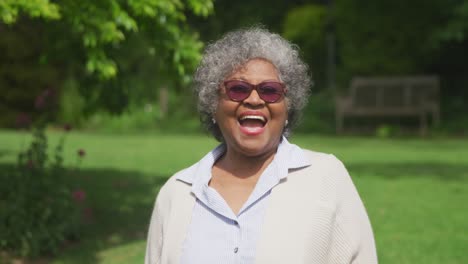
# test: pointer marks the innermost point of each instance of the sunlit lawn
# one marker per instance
(415, 190)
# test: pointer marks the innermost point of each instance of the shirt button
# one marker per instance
(236, 249)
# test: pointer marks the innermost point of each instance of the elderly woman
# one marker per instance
(256, 198)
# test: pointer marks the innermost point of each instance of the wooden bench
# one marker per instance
(391, 96)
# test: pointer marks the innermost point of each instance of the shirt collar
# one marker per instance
(288, 156)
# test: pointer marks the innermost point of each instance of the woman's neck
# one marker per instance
(242, 166)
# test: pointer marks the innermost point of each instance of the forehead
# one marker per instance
(255, 70)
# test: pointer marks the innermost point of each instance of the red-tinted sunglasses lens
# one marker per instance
(269, 92)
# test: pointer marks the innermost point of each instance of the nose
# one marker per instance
(254, 99)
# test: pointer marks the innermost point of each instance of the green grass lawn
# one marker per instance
(415, 190)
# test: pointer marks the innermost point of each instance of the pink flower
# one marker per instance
(30, 164)
(79, 195)
(40, 102)
(23, 120)
(81, 153)
(47, 97)
(67, 127)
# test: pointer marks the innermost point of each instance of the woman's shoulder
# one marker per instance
(177, 182)
(325, 168)
(316, 157)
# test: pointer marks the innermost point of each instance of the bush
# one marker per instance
(37, 207)
(146, 117)
(318, 116)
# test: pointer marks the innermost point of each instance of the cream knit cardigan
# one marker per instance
(314, 216)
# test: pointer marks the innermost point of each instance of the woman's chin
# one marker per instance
(254, 146)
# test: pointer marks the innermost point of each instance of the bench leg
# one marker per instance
(423, 124)
(436, 118)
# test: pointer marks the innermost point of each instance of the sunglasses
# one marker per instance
(269, 91)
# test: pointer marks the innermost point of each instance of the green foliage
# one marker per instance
(385, 131)
(103, 24)
(10, 9)
(146, 117)
(306, 26)
(36, 205)
(71, 104)
(384, 37)
(318, 116)
(396, 37)
(37, 210)
(24, 72)
(132, 120)
(101, 45)
(229, 15)
(309, 18)
(456, 28)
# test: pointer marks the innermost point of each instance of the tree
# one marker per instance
(455, 27)
(105, 24)
(306, 26)
(93, 43)
(230, 15)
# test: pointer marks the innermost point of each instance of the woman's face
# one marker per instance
(252, 127)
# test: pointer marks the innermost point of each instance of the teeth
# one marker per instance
(261, 118)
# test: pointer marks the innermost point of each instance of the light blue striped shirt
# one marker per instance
(215, 234)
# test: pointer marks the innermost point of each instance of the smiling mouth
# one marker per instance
(252, 125)
(252, 121)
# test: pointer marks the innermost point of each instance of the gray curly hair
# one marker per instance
(236, 48)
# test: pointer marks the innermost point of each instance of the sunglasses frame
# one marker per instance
(256, 87)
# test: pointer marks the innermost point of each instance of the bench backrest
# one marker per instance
(385, 92)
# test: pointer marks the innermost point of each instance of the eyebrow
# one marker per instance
(245, 80)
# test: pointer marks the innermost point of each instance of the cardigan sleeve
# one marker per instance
(155, 233)
(353, 226)
(154, 245)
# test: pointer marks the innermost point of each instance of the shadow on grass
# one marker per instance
(6, 153)
(439, 171)
(117, 210)
(119, 205)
